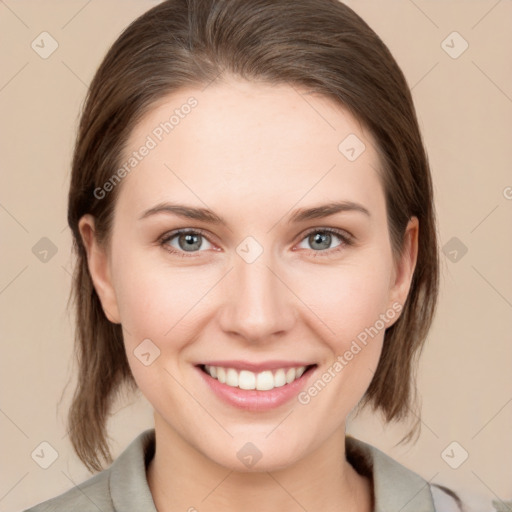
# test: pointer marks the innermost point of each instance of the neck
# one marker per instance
(182, 478)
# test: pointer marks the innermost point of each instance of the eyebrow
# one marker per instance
(299, 215)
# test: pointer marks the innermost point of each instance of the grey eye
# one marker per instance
(187, 241)
(320, 240)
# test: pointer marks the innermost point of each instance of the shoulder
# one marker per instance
(394, 486)
(445, 500)
(123, 486)
(89, 496)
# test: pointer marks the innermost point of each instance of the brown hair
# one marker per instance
(319, 44)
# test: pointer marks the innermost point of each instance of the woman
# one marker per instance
(252, 212)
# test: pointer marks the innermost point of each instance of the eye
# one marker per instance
(185, 241)
(320, 240)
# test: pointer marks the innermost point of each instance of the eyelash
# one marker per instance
(346, 240)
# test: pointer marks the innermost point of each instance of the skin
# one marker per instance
(252, 153)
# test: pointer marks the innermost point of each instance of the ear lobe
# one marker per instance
(404, 268)
(98, 264)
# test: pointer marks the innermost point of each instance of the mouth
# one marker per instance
(265, 380)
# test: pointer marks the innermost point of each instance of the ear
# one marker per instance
(406, 263)
(99, 268)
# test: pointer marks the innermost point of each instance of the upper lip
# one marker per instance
(257, 367)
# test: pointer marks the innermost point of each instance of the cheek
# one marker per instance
(157, 312)
(352, 311)
(350, 298)
(160, 303)
(156, 301)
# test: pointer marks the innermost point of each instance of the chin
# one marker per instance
(256, 453)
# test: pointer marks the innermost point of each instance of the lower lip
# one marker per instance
(252, 399)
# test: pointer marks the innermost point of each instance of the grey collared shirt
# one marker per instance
(123, 487)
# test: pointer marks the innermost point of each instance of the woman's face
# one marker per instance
(266, 280)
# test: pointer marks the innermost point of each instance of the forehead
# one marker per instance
(237, 139)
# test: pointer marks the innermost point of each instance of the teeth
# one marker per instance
(263, 381)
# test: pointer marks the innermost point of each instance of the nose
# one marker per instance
(258, 304)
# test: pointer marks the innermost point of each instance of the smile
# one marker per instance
(261, 381)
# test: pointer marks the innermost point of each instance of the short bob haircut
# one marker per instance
(320, 45)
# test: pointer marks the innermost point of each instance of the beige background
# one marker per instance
(465, 109)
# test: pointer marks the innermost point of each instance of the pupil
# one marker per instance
(191, 241)
(322, 238)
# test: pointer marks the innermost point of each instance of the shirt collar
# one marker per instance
(128, 483)
(395, 488)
